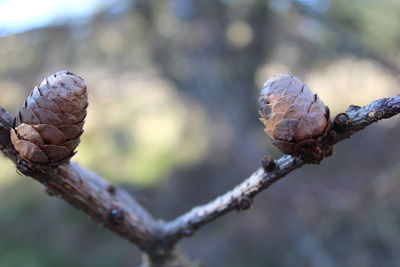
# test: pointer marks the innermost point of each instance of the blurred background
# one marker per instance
(173, 117)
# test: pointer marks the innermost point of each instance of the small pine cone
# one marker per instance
(48, 127)
(291, 113)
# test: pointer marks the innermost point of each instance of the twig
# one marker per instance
(122, 214)
(241, 197)
(111, 206)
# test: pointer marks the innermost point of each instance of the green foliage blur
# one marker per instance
(173, 117)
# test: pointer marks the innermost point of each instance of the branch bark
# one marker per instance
(106, 204)
(241, 197)
(121, 213)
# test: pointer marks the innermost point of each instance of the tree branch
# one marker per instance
(111, 206)
(121, 213)
(241, 197)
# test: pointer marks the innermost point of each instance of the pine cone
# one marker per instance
(291, 112)
(48, 127)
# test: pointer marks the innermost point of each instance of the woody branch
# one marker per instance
(111, 206)
(241, 197)
(121, 213)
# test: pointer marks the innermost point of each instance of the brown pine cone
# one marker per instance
(48, 127)
(291, 113)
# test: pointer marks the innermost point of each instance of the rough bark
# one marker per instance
(121, 213)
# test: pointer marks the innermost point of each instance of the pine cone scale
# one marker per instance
(285, 130)
(67, 118)
(50, 134)
(71, 145)
(47, 117)
(70, 131)
(27, 116)
(55, 153)
(28, 149)
(29, 133)
(80, 115)
(64, 104)
(45, 103)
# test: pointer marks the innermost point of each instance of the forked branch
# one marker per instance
(121, 213)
